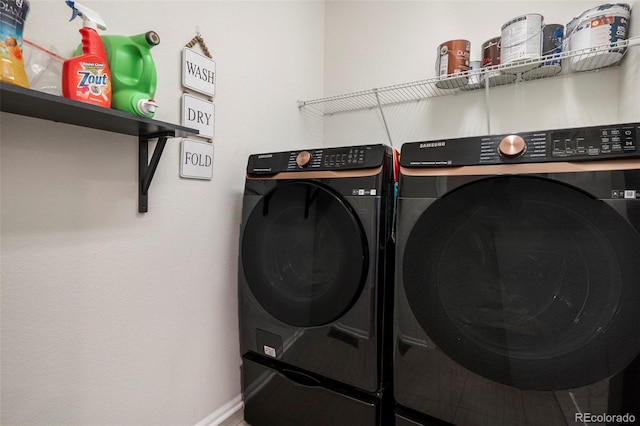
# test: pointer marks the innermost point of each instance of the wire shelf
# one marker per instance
(572, 61)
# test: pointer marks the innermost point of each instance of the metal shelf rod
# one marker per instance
(384, 121)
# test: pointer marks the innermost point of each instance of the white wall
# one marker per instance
(371, 44)
(630, 77)
(115, 317)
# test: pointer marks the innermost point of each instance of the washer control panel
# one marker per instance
(322, 159)
(595, 141)
(579, 144)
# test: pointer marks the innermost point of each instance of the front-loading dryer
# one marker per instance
(315, 285)
(517, 294)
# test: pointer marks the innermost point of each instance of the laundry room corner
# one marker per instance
(382, 240)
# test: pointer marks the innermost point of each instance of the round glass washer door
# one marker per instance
(304, 254)
(527, 281)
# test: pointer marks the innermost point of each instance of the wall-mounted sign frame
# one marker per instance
(196, 159)
(198, 72)
(198, 113)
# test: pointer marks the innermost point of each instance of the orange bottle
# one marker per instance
(12, 17)
(87, 78)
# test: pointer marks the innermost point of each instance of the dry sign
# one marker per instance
(196, 160)
(198, 114)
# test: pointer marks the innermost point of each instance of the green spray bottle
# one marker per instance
(133, 72)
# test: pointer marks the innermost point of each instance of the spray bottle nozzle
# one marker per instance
(89, 17)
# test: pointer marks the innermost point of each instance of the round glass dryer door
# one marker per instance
(527, 281)
(304, 254)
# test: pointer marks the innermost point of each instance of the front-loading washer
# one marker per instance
(517, 292)
(315, 285)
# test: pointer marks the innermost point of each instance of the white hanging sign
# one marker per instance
(198, 114)
(198, 72)
(196, 160)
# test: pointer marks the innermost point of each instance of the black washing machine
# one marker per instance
(315, 286)
(517, 292)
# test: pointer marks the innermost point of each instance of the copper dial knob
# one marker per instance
(303, 159)
(512, 146)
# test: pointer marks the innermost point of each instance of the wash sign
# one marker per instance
(196, 160)
(198, 72)
(198, 114)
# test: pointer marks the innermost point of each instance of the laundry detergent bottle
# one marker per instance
(133, 72)
(86, 77)
(12, 16)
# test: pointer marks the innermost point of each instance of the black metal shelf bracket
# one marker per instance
(146, 167)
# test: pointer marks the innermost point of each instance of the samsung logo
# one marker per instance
(432, 144)
(265, 156)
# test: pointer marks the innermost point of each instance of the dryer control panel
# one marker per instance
(321, 159)
(578, 144)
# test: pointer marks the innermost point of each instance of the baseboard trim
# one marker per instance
(223, 413)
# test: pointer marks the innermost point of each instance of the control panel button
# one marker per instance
(512, 146)
(303, 159)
